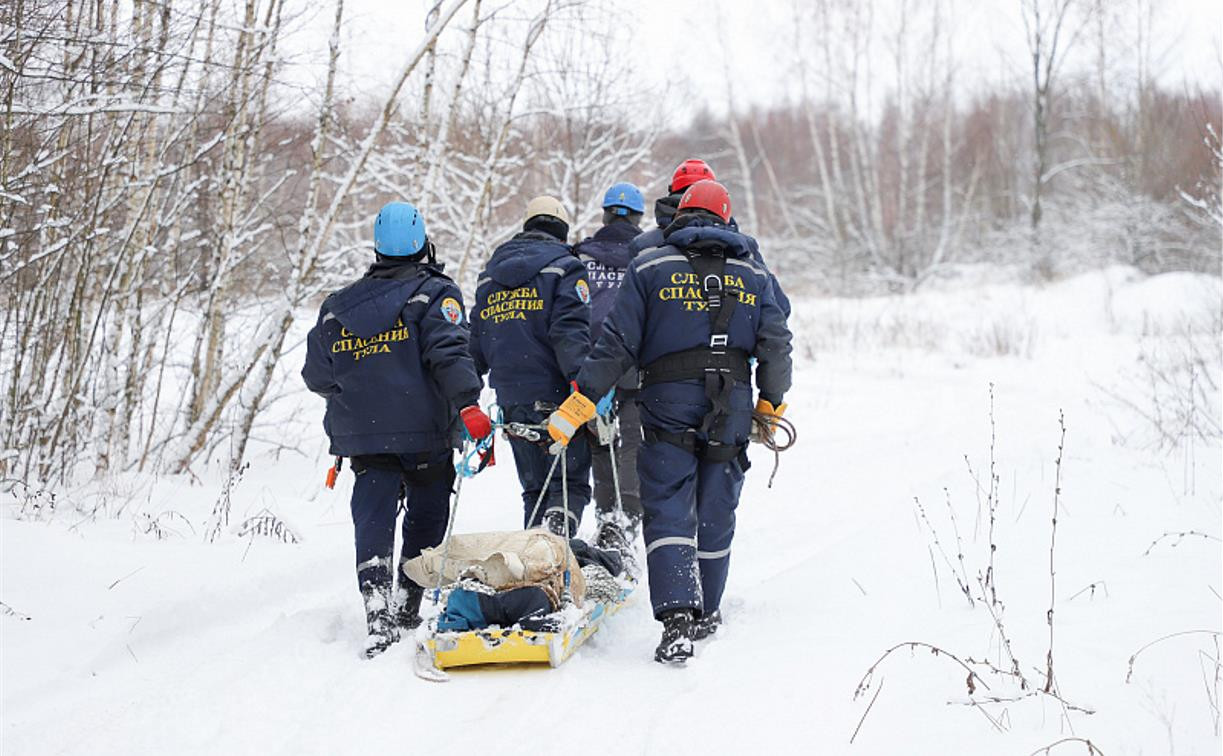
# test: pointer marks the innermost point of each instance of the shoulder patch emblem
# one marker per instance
(452, 311)
(583, 290)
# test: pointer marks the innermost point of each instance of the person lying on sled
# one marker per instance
(390, 355)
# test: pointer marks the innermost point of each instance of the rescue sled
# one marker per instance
(516, 646)
(507, 559)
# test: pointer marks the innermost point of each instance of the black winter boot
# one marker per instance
(407, 612)
(676, 644)
(379, 623)
(706, 625)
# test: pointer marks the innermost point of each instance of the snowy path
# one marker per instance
(227, 649)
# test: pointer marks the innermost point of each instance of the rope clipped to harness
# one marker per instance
(765, 431)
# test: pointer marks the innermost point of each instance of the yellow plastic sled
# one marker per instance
(497, 646)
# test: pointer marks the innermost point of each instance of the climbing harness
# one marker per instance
(718, 364)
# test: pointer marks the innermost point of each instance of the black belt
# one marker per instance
(421, 471)
(707, 451)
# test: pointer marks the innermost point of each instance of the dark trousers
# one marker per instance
(627, 445)
(533, 462)
(689, 525)
(381, 481)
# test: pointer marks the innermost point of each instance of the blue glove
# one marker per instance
(604, 405)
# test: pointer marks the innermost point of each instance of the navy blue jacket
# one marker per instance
(530, 327)
(390, 355)
(659, 311)
(606, 256)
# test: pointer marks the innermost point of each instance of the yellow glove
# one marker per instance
(764, 427)
(569, 417)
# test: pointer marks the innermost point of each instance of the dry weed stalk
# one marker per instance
(959, 542)
(160, 526)
(1091, 748)
(219, 519)
(1066, 705)
(963, 584)
(989, 597)
(1180, 536)
(1134, 656)
(1057, 493)
(1005, 641)
(1177, 397)
(1213, 682)
(865, 683)
(992, 499)
(869, 706)
(36, 503)
(265, 523)
(1091, 587)
(8, 611)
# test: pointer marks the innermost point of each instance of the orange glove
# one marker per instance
(763, 428)
(569, 417)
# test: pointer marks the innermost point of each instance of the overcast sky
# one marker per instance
(683, 43)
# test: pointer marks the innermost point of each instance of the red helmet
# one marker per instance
(689, 172)
(707, 195)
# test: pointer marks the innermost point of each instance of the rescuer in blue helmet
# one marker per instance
(390, 355)
(606, 256)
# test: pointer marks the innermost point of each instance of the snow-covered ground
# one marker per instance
(117, 640)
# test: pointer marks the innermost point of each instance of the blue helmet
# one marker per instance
(399, 230)
(624, 198)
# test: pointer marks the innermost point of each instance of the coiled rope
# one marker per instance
(765, 432)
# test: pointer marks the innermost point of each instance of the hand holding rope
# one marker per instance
(765, 429)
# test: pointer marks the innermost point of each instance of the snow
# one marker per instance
(135, 644)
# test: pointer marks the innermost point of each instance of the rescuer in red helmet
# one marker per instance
(685, 175)
(691, 314)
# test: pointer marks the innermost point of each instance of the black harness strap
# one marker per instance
(695, 363)
(689, 441)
